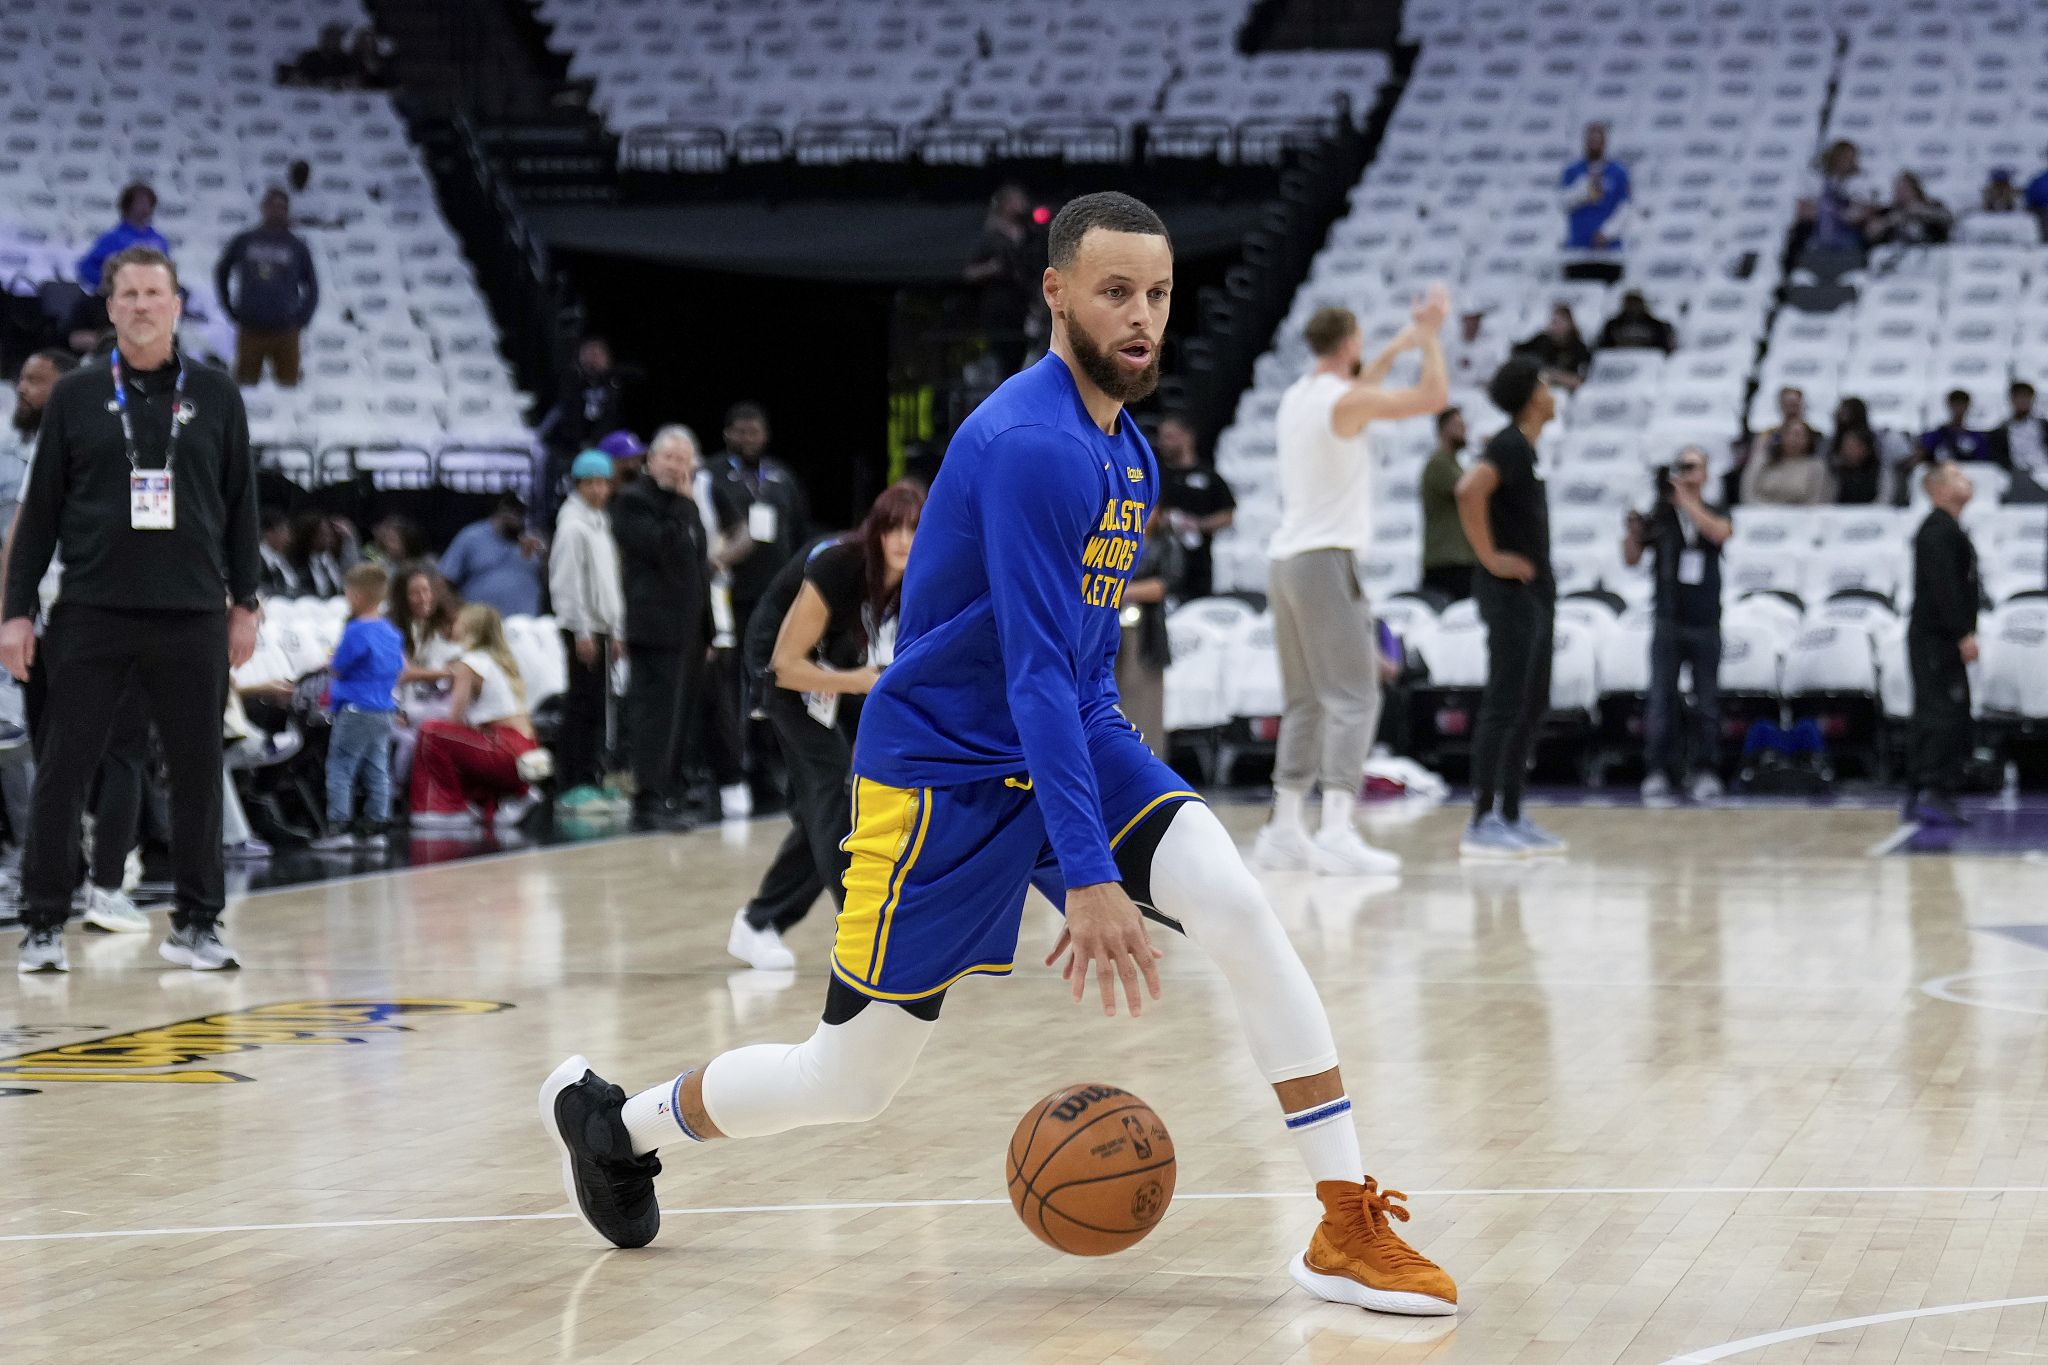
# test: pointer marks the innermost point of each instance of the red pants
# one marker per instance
(456, 767)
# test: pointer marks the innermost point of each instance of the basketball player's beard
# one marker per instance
(1125, 386)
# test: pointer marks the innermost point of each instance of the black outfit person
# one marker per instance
(818, 757)
(664, 570)
(141, 607)
(1946, 591)
(1199, 492)
(1687, 630)
(1520, 620)
(762, 498)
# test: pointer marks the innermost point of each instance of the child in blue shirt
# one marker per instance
(364, 676)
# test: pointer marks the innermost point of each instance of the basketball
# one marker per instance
(1091, 1170)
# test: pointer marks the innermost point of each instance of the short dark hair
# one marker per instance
(128, 193)
(1958, 394)
(133, 255)
(1443, 419)
(746, 411)
(1514, 384)
(276, 192)
(508, 501)
(65, 361)
(1110, 210)
(1328, 328)
(2021, 386)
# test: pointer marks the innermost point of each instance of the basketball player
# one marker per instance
(992, 758)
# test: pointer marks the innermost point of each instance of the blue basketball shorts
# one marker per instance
(935, 887)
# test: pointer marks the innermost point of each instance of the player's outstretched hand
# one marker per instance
(1431, 309)
(1105, 928)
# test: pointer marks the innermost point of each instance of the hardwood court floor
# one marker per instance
(1678, 1091)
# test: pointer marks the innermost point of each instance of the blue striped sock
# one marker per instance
(1328, 1141)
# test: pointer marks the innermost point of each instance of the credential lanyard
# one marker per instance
(128, 423)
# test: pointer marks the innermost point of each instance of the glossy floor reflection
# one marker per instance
(1714, 1076)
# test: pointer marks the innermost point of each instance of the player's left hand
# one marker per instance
(1105, 928)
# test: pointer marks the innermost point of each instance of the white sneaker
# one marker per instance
(113, 913)
(1341, 852)
(456, 821)
(511, 812)
(1706, 787)
(736, 802)
(198, 947)
(1656, 787)
(1283, 848)
(42, 950)
(758, 948)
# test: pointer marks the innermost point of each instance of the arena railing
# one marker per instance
(949, 143)
(673, 148)
(838, 144)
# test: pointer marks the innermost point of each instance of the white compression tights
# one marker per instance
(848, 1073)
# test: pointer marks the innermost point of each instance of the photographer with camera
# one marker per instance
(1685, 535)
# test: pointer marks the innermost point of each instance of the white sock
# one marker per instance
(1337, 808)
(1328, 1142)
(654, 1117)
(1287, 808)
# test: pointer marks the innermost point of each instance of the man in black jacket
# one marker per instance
(664, 566)
(1941, 639)
(144, 483)
(2021, 445)
(592, 404)
(265, 281)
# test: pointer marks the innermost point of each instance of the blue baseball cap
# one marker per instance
(591, 464)
(622, 445)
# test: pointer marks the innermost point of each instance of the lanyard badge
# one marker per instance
(152, 493)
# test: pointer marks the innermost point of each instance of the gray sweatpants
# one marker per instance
(1329, 671)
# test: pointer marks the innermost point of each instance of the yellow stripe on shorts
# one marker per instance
(889, 825)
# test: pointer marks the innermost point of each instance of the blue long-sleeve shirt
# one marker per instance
(364, 670)
(117, 238)
(1587, 220)
(485, 567)
(1006, 646)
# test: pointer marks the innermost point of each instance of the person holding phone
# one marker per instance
(1685, 535)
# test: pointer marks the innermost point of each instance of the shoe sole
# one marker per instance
(1324, 866)
(560, 1079)
(1492, 855)
(1557, 852)
(46, 969)
(182, 956)
(123, 925)
(1340, 1289)
(1280, 863)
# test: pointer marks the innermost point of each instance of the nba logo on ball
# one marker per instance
(1091, 1170)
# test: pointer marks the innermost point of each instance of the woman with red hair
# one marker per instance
(822, 635)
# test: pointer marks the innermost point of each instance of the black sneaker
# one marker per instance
(611, 1188)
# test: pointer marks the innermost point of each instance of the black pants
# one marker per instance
(660, 686)
(1452, 581)
(820, 764)
(117, 804)
(722, 744)
(1938, 741)
(1670, 646)
(180, 662)
(1519, 621)
(579, 743)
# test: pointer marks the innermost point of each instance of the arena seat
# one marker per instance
(2015, 662)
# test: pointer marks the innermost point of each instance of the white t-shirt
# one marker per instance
(1325, 480)
(495, 699)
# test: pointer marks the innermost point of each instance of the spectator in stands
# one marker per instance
(1506, 516)
(628, 457)
(1002, 265)
(320, 553)
(1892, 448)
(396, 541)
(39, 374)
(1787, 471)
(1913, 218)
(266, 285)
(662, 562)
(763, 517)
(497, 560)
(591, 404)
(1560, 350)
(1197, 503)
(825, 630)
(362, 694)
(1475, 353)
(468, 769)
(1595, 189)
(590, 610)
(1953, 439)
(331, 65)
(369, 51)
(138, 213)
(2037, 198)
(1447, 558)
(1322, 621)
(423, 609)
(1685, 535)
(1840, 202)
(1635, 327)
(1941, 641)
(314, 209)
(2000, 194)
(1791, 412)
(2020, 443)
(279, 576)
(1856, 472)
(160, 579)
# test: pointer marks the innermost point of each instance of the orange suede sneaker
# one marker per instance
(1355, 1256)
